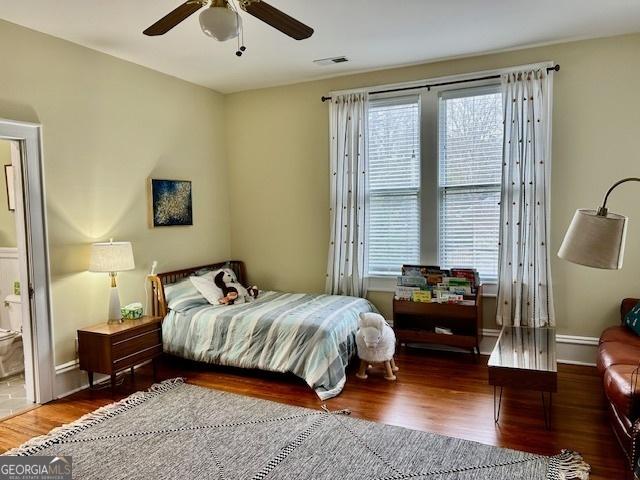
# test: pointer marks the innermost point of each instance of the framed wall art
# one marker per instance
(170, 203)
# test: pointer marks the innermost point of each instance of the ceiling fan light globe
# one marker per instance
(220, 23)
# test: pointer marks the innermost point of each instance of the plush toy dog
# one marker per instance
(253, 291)
(376, 343)
(233, 293)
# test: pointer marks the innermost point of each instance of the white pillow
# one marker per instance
(205, 284)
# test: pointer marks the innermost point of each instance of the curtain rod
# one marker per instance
(428, 86)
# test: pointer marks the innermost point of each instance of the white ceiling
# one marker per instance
(371, 33)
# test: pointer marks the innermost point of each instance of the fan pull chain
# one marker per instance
(241, 47)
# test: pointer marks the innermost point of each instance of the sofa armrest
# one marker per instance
(626, 305)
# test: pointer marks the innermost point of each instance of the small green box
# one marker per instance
(132, 311)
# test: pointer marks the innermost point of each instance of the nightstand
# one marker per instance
(110, 348)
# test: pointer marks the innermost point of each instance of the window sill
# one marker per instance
(388, 284)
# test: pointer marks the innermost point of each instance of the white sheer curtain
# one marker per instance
(348, 160)
(524, 279)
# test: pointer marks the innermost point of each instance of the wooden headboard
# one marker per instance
(159, 304)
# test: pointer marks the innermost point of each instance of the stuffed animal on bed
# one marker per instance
(233, 293)
(376, 343)
(229, 294)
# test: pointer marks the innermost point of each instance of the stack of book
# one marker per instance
(432, 284)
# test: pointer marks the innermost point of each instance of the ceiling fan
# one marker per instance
(221, 20)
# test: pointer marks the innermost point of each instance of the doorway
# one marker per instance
(13, 391)
(26, 356)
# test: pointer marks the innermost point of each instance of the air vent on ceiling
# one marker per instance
(330, 61)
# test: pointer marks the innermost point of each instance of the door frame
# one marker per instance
(33, 246)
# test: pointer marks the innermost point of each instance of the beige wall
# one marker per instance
(7, 218)
(279, 183)
(107, 126)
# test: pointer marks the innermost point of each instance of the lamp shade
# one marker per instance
(111, 257)
(595, 240)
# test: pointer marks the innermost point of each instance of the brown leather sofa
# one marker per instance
(619, 365)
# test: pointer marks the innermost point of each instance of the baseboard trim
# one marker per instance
(572, 349)
(67, 367)
(70, 379)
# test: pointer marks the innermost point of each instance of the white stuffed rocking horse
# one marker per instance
(376, 343)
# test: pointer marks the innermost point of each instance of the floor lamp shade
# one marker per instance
(595, 240)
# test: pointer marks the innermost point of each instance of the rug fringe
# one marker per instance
(568, 465)
(33, 446)
(344, 411)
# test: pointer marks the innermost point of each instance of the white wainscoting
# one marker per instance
(9, 273)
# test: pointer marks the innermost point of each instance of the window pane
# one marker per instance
(469, 224)
(470, 169)
(471, 140)
(394, 183)
(394, 145)
(394, 232)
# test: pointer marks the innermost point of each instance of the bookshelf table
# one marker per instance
(415, 322)
(525, 357)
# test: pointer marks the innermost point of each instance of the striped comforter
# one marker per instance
(311, 336)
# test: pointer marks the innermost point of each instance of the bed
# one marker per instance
(309, 335)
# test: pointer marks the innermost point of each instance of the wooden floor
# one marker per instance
(438, 392)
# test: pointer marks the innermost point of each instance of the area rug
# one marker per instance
(177, 430)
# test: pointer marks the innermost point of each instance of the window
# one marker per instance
(394, 184)
(435, 202)
(470, 168)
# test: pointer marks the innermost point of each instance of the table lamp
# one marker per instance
(596, 238)
(112, 257)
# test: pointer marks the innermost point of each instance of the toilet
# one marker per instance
(11, 351)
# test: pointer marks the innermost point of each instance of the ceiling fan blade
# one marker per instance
(173, 18)
(277, 19)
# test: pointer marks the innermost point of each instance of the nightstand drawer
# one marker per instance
(123, 347)
(134, 330)
(137, 357)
